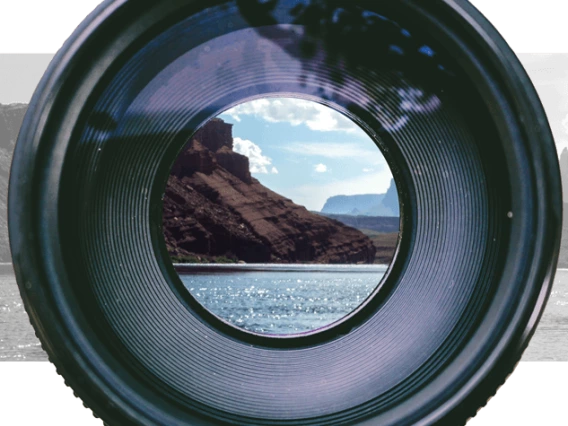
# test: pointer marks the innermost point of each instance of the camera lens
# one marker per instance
(118, 134)
(285, 234)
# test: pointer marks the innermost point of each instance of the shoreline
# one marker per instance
(276, 267)
(8, 269)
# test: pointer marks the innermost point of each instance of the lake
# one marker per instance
(278, 301)
(282, 299)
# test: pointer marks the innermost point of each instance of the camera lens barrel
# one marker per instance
(439, 92)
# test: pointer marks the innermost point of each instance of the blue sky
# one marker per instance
(306, 151)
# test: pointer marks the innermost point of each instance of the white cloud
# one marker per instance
(367, 154)
(315, 116)
(320, 168)
(258, 163)
(368, 170)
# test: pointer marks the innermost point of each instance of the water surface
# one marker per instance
(282, 299)
(19, 343)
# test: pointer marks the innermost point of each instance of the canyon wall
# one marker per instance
(213, 207)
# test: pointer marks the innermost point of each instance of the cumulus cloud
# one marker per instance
(320, 168)
(295, 112)
(258, 162)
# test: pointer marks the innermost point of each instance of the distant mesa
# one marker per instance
(352, 204)
(390, 201)
(564, 173)
(365, 205)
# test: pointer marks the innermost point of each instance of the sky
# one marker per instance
(306, 151)
(293, 138)
(549, 74)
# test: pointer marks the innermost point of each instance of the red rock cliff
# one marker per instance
(214, 207)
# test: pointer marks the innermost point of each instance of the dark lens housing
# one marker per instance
(436, 88)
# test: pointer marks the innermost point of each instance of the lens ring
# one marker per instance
(81, 166)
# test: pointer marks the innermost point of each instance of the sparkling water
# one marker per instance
(19, 343)
(283, 299)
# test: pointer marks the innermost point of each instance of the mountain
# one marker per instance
(214, 210)
(11, 117)
(352, 204)
(365, 204)
(564, 173)
(390, 201)
(209, 225)
(382, 224)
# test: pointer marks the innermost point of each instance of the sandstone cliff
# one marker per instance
(213, 207)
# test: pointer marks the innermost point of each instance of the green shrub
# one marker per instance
(186, 259)
(224, 259)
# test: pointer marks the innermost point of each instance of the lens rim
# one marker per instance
(39, 270)
(335, 329)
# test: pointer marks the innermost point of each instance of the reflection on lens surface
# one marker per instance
(281, 216)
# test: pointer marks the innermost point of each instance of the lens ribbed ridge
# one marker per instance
(435, 87)
(447, 268)
(448, 156)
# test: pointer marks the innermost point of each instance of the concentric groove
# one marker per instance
(451, 229)
(435, 129)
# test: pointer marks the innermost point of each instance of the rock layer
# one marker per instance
(214, 207)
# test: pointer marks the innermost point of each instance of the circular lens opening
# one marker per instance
(281, 216)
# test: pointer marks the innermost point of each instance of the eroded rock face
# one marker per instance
(214, 207)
